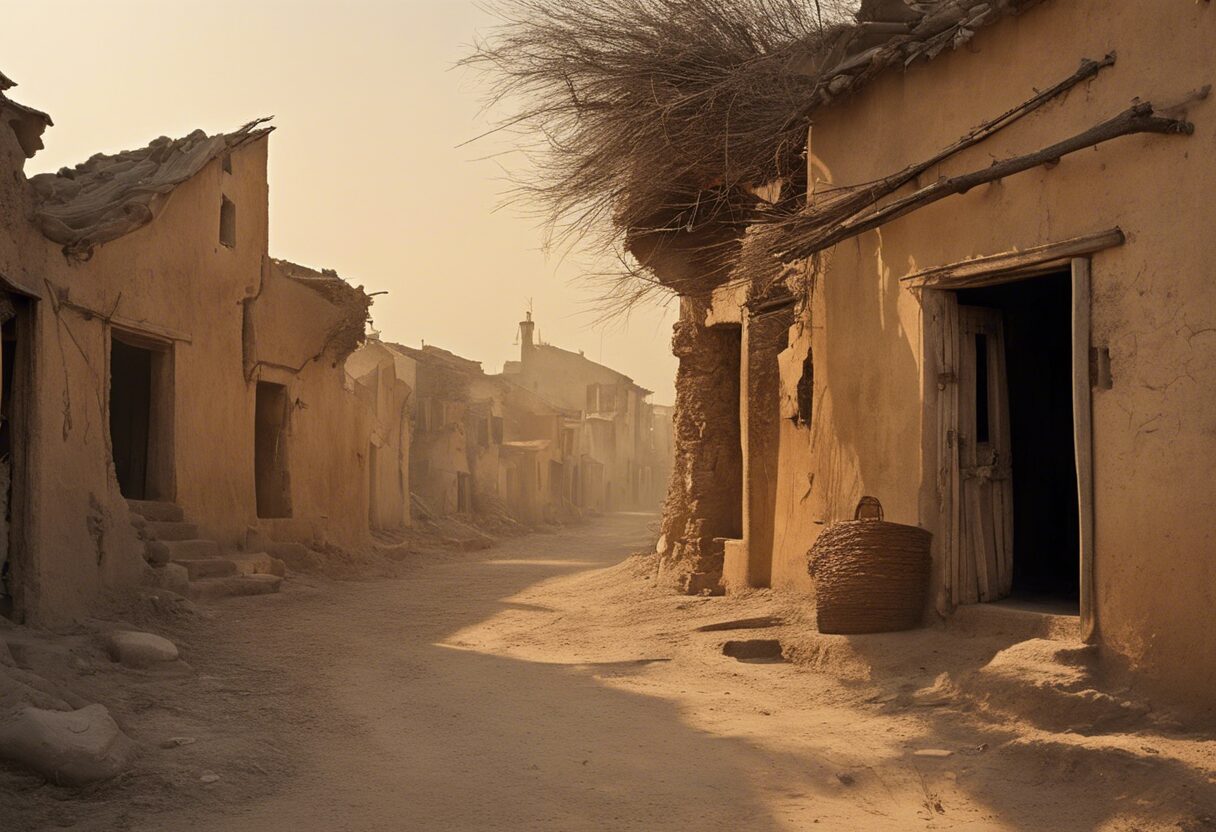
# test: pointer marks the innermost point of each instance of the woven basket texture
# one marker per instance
(871, 576)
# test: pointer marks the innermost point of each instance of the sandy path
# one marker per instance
(547, 684)
(404, 732)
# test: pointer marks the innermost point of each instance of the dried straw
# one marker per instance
(653, 115)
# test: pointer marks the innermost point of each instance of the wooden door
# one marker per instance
(985, 471)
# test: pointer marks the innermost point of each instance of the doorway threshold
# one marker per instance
(1022, 618)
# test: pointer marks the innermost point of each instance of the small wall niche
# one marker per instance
(806, 391)
(227, 222)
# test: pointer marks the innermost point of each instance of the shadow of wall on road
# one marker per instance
(409, 734)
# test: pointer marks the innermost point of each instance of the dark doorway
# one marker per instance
(141, 416)
(1037, 319)
(270, 472)
(718, 391)
(15, 372)
(130, 416)
(464, 493)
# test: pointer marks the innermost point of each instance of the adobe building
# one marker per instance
(384, 380)
(447, 430)
(169, 391)
(1018, 356)
(541, 480)
(618, 464)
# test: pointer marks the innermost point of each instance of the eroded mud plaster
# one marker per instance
(705, 500)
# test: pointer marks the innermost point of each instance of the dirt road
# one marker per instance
(547, 684)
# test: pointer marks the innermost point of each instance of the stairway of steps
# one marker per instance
(209, 572)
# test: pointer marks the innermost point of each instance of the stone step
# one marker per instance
(164, 551)
(171, 530)
(238, 585)
(258, 563)
(201, 568)
(295, 555)
(156, 510)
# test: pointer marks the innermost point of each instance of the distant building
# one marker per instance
(385, 380)
(612, 434)
(451, 422)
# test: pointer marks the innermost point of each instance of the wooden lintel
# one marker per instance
(775, 305)
(147, 329)
(1011, 265)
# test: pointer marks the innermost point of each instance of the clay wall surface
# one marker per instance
(171, 282)
(330, 429)
(764, 337)
(383, 381)
(1152, 305)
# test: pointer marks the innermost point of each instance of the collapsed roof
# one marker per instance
(111, 195)
(347, 333)
(26, 123)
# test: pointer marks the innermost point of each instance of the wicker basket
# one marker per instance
(870, 576)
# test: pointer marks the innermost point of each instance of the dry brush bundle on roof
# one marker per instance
(655, 116)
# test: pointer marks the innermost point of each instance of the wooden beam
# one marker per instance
(837, 205)
(1082, 416)
(820, 235)
(147, 328)
(1008, 266)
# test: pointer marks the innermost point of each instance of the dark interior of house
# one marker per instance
(270, 453)
(130, 416)
(1038, 345)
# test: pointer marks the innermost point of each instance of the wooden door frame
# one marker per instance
(940, 422)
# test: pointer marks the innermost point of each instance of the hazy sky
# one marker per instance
(365, 175)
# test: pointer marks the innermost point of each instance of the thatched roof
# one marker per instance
(111, 195)
(659, 118)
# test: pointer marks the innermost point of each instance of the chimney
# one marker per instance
(526, 327)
